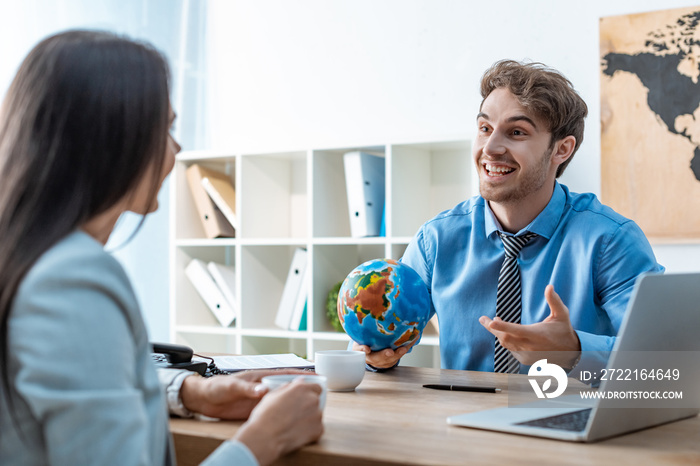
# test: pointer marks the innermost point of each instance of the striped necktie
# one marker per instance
(508, 303)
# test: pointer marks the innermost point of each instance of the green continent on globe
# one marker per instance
(371, 292)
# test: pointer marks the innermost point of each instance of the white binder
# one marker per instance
(210, 293)
(298, 320)
(293, 287)
(225, 278)
(364, 182)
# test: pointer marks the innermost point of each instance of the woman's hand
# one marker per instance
(285, 420)
(227, 396)
(223, 396)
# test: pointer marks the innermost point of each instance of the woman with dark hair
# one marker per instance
(84, 137)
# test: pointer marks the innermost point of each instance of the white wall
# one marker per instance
(298, 74)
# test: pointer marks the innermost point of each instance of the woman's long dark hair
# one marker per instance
(83, 121)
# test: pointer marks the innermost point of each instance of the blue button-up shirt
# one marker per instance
(591, 255)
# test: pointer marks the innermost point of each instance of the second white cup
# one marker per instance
(273, 382)
(343, 369)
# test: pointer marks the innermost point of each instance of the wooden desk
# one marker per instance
(391, 419)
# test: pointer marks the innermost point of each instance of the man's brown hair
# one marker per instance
(545, 92)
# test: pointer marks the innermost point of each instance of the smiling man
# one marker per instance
(526, 266)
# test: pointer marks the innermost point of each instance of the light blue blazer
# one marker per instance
(84, 389)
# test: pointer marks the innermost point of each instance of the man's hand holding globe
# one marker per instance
(383, 359)
(383, 306)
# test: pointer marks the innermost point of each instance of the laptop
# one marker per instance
(663, 316)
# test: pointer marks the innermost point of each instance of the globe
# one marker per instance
(383, 303)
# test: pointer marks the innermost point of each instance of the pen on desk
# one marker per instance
(463, 388)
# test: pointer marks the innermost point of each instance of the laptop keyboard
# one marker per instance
(575, 421)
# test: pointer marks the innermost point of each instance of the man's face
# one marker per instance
(512, 152)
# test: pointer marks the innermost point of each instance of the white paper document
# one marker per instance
(262, 361)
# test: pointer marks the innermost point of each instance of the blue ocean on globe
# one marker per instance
(384, 303)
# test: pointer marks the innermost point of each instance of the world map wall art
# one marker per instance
(650, 121)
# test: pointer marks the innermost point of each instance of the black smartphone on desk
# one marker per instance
(170, 356)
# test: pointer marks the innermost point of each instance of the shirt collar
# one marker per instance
(544, 224)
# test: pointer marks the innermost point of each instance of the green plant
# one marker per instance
(332, 307)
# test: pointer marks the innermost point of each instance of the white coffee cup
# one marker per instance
(273, 382)
(344, 369)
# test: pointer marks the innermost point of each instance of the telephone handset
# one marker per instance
(170, 356)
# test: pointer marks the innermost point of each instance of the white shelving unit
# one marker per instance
(298, 199)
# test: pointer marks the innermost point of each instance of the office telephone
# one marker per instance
(172, 356)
